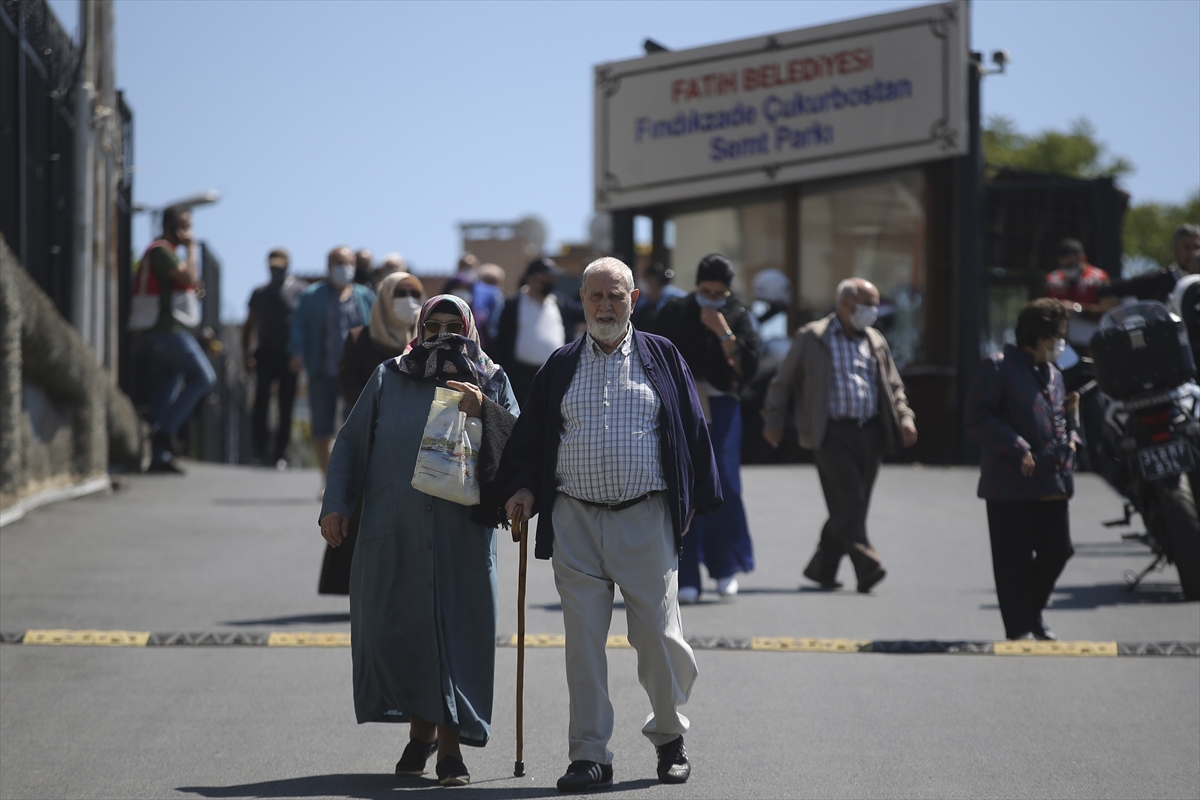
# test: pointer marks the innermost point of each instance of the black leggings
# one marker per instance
(1031, 543)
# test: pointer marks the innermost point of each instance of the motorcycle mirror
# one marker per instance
(1068, 359)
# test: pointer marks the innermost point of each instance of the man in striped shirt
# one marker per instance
(613, 450)
(851, 410)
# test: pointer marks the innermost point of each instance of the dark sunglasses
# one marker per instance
(407, 293)
(433, 326)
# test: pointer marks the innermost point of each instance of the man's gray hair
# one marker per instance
(1186, 229)
(610, 266)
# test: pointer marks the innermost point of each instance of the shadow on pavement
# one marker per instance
(297, 619)
(1111, 550)
(1114, 594)
(1083, 598)
(372, 786)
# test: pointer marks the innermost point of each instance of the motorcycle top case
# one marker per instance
(1141, 348)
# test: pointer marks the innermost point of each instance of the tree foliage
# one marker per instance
(1150, 228)
(1077, 152)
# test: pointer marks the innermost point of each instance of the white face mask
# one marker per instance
(864, 316)
(1053, 354)
(341, 275)
(405, 309)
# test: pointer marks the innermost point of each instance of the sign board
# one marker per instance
(867, 94)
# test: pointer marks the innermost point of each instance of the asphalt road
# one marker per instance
(237, 549)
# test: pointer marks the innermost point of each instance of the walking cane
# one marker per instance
(520, 530)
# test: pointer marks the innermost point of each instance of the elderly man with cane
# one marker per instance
(614, 449)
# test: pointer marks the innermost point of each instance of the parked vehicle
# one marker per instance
(1148, 446)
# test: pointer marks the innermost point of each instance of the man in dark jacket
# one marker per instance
(613, 448)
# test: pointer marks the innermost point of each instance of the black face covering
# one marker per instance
(278, 274)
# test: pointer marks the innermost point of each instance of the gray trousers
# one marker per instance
(635, 549)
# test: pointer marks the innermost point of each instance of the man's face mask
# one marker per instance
(341, 274)
(1055, 351)
(278, 274)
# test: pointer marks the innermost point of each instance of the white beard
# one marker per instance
(610, 333)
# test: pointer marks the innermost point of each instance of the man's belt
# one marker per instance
(858, 423)
(618, 506)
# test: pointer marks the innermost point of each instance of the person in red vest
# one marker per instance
(1075, 284)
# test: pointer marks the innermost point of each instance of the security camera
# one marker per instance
(1001, 58)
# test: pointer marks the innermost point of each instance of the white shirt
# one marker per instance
(610, 430)
(539, 329)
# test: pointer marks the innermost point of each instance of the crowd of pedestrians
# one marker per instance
(617, 417)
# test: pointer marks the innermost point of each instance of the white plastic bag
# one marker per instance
(449, 454)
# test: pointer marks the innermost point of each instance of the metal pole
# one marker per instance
(22, 144)
(81, 296)
(972, 282)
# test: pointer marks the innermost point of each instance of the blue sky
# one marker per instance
(383, 124)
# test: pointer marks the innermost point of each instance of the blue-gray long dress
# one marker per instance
(423, 579)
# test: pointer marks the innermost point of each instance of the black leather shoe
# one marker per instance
(416, 754)
(871, 580)
(584, 776)
(826, 585)
(451, 771)
(673, 765)
(1024, 637)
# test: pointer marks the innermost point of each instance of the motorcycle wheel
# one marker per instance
(1181, 529)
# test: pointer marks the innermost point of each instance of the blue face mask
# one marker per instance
(706, 302)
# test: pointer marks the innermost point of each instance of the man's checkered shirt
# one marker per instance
(852, 392)
(610, 448)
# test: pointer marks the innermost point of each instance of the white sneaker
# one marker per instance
(688, 595)
(727, 587)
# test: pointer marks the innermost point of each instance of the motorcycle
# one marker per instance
(1148, 443)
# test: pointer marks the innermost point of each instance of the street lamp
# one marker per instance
(183, 204)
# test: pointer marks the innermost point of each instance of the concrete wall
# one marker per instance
(62, 419)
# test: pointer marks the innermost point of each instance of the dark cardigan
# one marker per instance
(531, 457)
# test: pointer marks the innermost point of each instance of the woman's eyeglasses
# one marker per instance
(435, 327)
(407, 293)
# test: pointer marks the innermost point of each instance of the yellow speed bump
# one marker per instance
(788, 644)
(277, 639)
(1026, 647)
(88, 638)
(540, 640)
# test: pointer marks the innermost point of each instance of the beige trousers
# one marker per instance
(634, 549)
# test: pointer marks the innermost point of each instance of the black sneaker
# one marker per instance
(412, 760)
(451, 771)
(1041, 632)
(673, 766)
(584, 776)
(167, 466)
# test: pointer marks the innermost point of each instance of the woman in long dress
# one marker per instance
(393, 326)
(423, 579)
